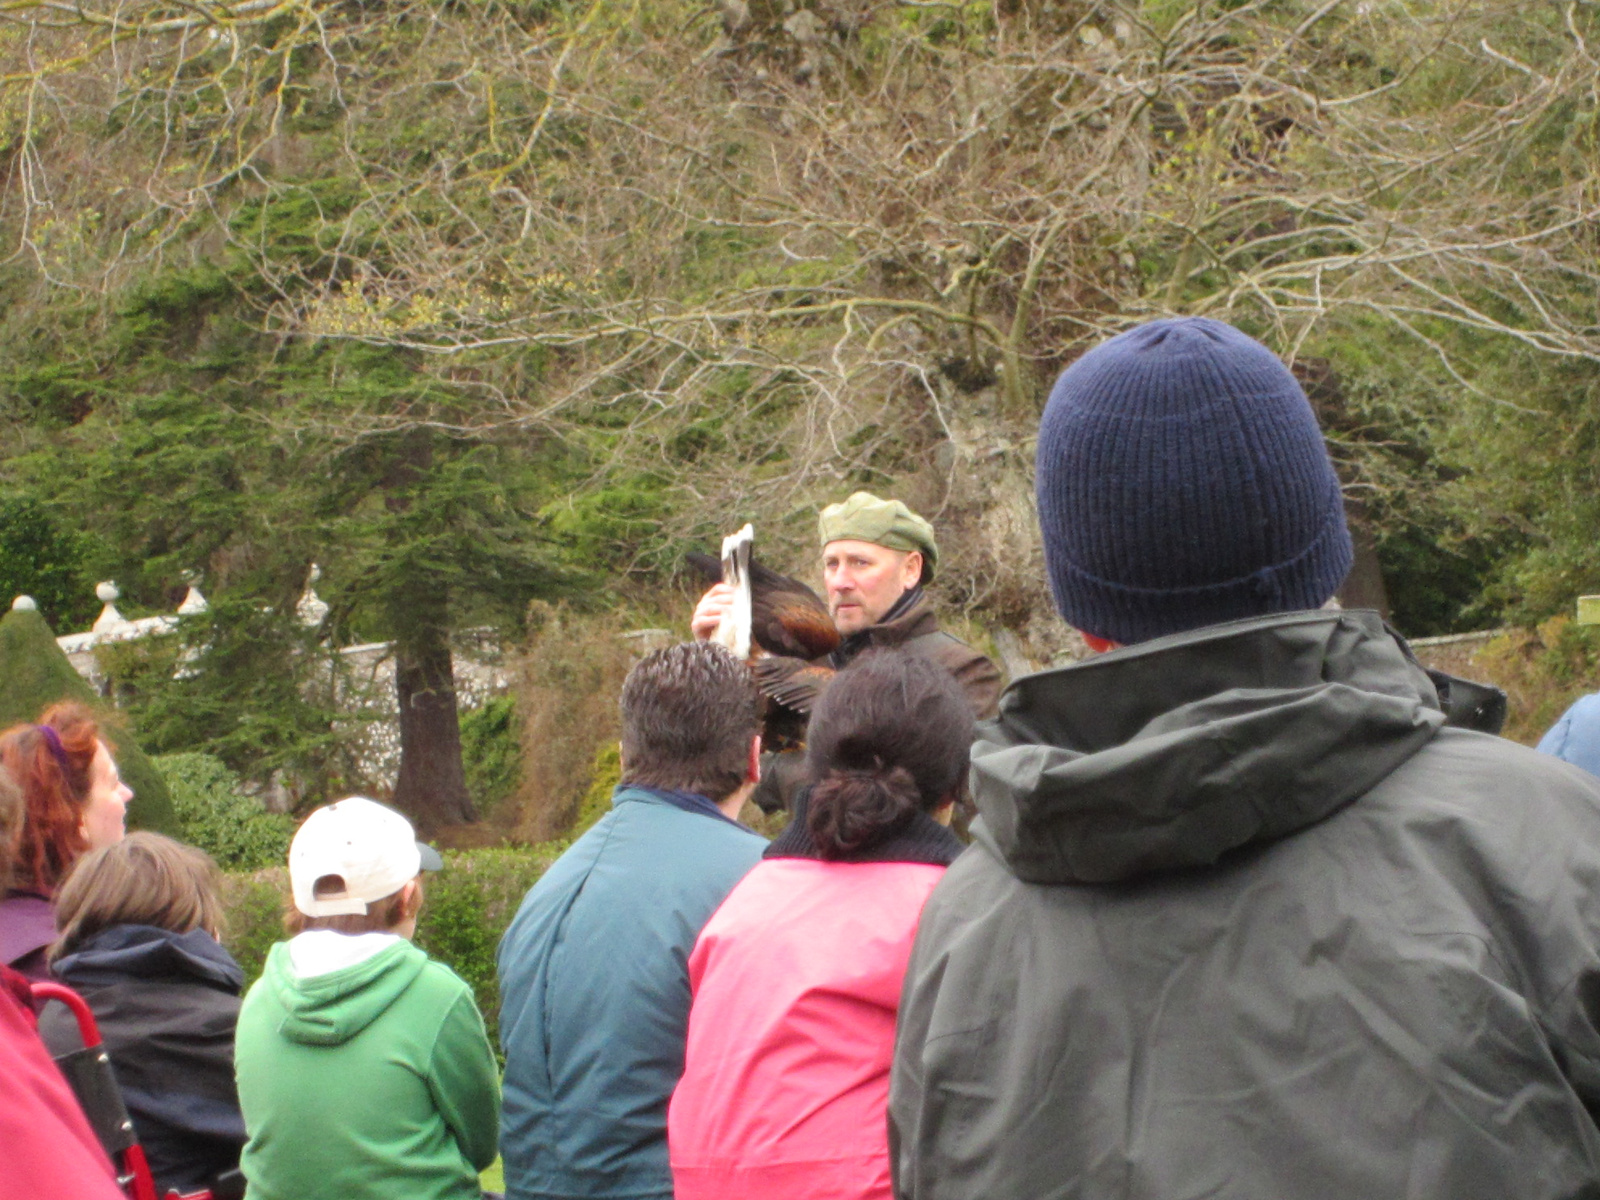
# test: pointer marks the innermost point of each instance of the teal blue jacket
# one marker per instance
(594, 996)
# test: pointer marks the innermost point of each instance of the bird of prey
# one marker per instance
(785, 616)
(786, 626)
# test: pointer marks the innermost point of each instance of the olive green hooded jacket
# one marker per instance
(1243, 919)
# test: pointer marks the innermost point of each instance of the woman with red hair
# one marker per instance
(74, 802)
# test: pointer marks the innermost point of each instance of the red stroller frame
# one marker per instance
(88, 1071)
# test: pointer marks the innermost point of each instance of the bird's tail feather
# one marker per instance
(734, 631)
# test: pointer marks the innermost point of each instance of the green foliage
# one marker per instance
(1435, 579)
(596, 802)
(465, 298)
(41, 559)
(35, 673)
(215, 815)
(1542, 671)
(467, 908)
(253, 905)
(242, 682)
(491, 752)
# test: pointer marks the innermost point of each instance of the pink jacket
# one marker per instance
(796, 982)
(47, 1150)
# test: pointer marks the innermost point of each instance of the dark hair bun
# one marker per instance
(850, 809)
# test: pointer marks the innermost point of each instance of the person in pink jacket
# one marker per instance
(796, 978)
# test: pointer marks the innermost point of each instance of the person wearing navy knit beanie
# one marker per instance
(1182, 481)
(1246, 913)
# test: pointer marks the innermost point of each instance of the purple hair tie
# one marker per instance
(53, 740)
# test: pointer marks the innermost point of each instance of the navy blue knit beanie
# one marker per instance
(1182, 481)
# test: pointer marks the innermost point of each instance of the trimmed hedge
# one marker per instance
(35, 673)
(467, 907)
(214, 814)
(491, 751)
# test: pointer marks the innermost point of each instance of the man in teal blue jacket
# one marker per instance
(594, 980)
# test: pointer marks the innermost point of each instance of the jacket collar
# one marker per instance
(1172, 753)
(911, 616)
(919, 840)
(146, 952)
(692, 802)
(27, 924)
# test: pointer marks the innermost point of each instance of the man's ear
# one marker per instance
(752, 770)
(911, 569)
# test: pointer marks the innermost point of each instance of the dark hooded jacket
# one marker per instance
(166, 1004)
(1244, 919)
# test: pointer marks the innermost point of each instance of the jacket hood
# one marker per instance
(1171, 753)
(147, 952)
(330, 1009)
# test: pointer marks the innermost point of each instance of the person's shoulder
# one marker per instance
(1461, 766)
(1583, 713)
(438, 982)
(1470, 748)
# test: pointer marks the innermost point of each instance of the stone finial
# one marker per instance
(109, 617)
(24, 604)
(312, 610)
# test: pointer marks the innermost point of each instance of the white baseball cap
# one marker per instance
(368, 845)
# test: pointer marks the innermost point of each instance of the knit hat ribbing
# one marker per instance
(1182, 481)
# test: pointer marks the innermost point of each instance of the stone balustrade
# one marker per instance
(363, 675)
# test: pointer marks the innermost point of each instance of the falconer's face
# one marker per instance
(864, 580)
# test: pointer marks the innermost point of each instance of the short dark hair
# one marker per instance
(891, 736)
(688, 714)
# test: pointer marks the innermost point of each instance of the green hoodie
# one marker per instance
(376, 1080)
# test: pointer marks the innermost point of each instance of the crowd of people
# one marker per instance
(1245, 911)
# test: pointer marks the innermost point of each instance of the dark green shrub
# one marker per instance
(468, 906)
(491, 752)
(253, 904)
(35, 673)
(596, 802)
(214, 814)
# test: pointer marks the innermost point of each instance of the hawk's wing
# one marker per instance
(791, 682)
(788, 617)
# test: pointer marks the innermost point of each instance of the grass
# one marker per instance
(493, 1178)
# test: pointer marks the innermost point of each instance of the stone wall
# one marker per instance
(364, 687)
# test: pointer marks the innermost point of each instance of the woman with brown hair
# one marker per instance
(75, 801)
(138, 923)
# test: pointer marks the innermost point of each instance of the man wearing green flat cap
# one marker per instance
(876, 556)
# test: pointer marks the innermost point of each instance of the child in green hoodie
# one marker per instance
(364, 1069)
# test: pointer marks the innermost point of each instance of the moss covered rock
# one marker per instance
(35, 673)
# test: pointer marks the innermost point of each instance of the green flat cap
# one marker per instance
(888, 523)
